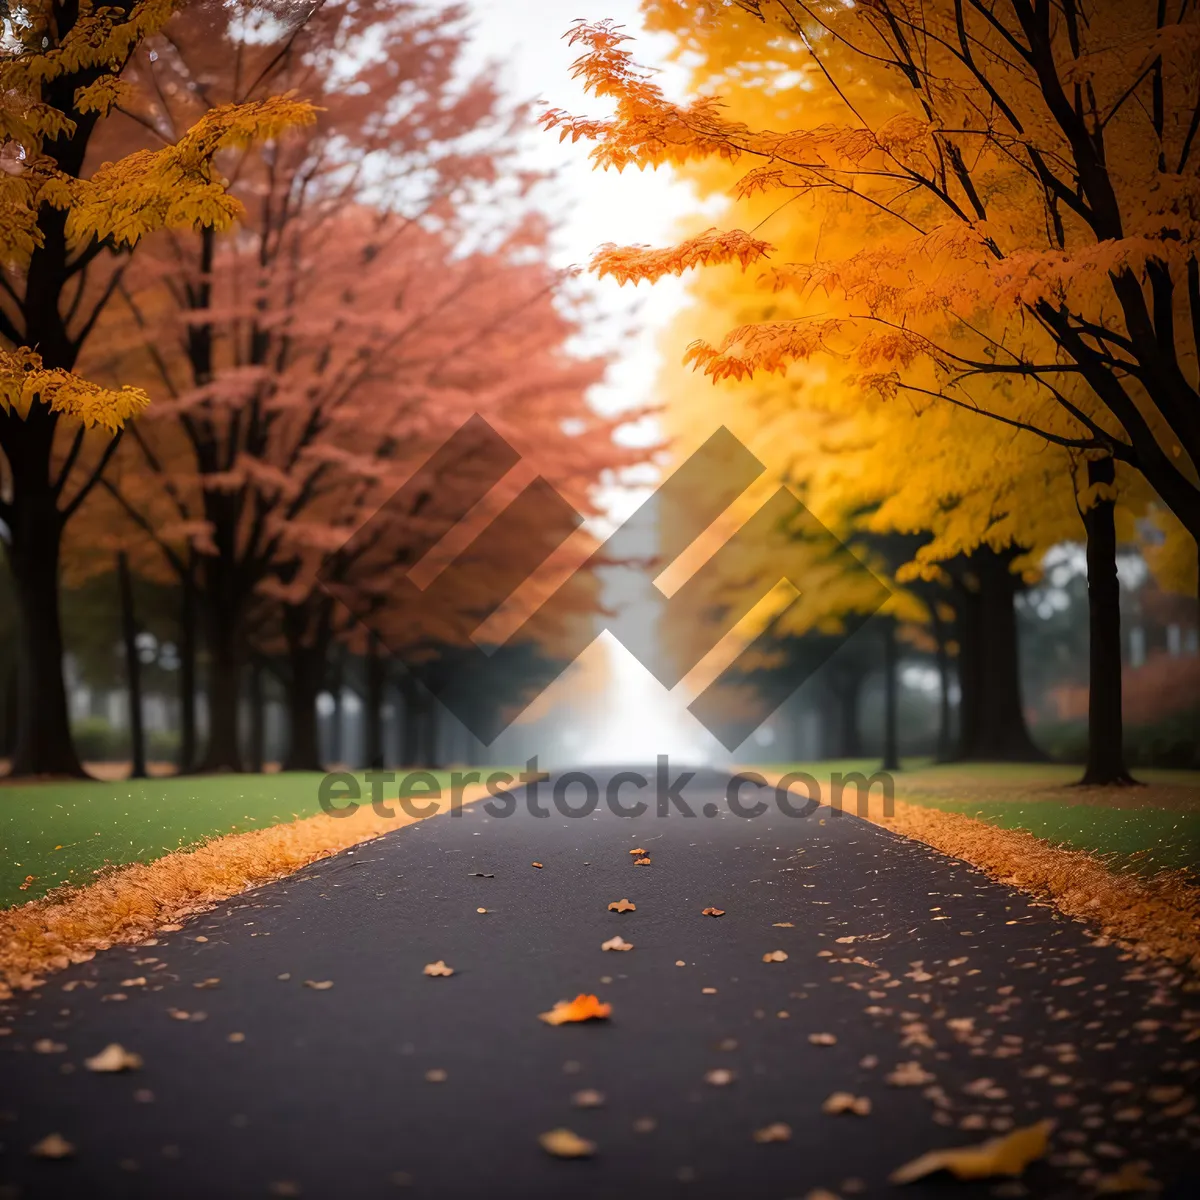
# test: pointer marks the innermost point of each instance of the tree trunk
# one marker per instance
(373, 706)
(223, 695)
(846, 686)
(891, 752)
(410, 728)
(256, 704)
(187, 674)
(307, 649)
(1106, 751)
(44, 744)
(10, 713)
(941, 634)
(336, 683)
(992, 721)
(431, 758)
(133, 670)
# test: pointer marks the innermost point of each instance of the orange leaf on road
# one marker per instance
(622, 906)
(563, 1143)
(1008, 1155)
(583, 1008)
(112, 1059)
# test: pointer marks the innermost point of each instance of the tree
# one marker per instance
(59, 81)
(1032, 161)
(901, 314)
(362, 310)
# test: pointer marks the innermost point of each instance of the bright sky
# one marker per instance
(525, 38)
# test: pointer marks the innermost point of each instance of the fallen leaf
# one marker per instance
(721, 1077)
(639, 852)
(562, 1143)
(48, 1046)
(779, 1132)
(169, 928)
(641, 862)
(712, 912)
(909, 1074)
(845, 941)
(1008, 1155)
(844, 1102)
(588, 1098)
(483, 910)
(616, 943)
(583, 1008)
(783, 925)
(435, 1075)
(113, 1058)
(1131, 1177)
(207, 983)
(622, 906)
(140, 981)
(199, 939)
(708, 991)
(53, 1145)
(179, 1014)
(775, 956)
(236, 1037)
(322, 986)
(1165, 1094)
(822, 1039)
(437, 968)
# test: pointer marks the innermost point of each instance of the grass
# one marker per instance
(1146, 839)
(69, 832)
(1144, 829)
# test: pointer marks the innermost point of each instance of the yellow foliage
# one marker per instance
(23, 380)
(174, 187)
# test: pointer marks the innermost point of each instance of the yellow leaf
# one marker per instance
(779, 1132)
(113, 1058)
(616, 943)
(562, 1143)
(54, 1145)
(438, 968)
(1008, 1155)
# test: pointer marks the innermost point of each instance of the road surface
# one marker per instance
(391, 1083)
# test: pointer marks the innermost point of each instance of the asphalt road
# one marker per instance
(327, 1092)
